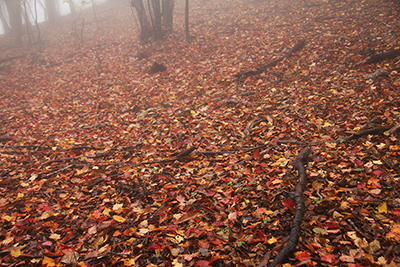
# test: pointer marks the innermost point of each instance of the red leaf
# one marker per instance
(302, 256)
(202, 263)
(154, 246)
(216, 242)
(358, 162)
(256, 154)
(287, 203)
(378, 172)
(204, 244)
(258, 171)
(328, 258)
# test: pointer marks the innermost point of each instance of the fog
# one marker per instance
(63, 9)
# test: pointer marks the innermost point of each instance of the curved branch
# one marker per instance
(298, 199)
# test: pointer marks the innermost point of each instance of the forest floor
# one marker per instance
(81, 123)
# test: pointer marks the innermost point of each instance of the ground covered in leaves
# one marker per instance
(80, 119)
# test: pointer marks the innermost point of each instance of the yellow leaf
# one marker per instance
(272, 240)
(129, 262)
(7, 218)
(106, 211)
(15, 252)
(119, 218)
(382, 208)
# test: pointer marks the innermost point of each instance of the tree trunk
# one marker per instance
(15, 11)
(72, 7)
(95, 14)
(3, 20)
(144, 24)
(27, 23)
(187, 21)
(51, 10)
(157, 19)
(168, 14)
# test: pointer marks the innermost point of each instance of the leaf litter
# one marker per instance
(79, 121)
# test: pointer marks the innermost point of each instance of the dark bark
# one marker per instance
(6, 138)
(298, 199)
(143, 21)
(178, 157)
(364, 132)
(243, 75)
(156, 20)
(381, 57)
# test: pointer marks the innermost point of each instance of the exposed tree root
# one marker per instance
(381, 57)
(364, 132)
(177, 157)
(295, 48)
(298, 199)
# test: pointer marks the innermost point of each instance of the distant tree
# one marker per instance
(154, 18)
(51, 10)
(72, 7)
(14, 10)
(187, 32)
(168, 14)
(3, 20)
(28, 25)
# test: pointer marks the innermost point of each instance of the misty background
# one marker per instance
(63, 9)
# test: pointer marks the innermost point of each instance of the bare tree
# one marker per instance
(154, 18)
(3, 20)
(51, 10)
(72, 7)
(168, 14)
(14, 10)
(187, 32)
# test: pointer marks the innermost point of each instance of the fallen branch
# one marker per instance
(177, 157)
(6, 138)
(395, 129)
(298, 199)
(295, 48)
(383, 56)
(387, 103)
(12, 58)
(253, 123)
(362, 133)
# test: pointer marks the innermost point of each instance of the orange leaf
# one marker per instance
(302, 255)
(119, 218)
(48, 262)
